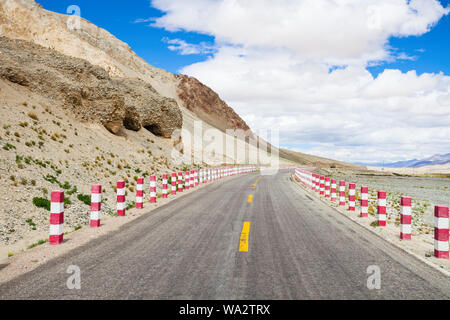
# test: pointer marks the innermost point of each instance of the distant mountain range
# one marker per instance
(415, 163)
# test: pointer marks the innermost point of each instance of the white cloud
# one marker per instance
(185, 48)
(140, 20)
(405, 56)
(274, 66)
(332, 31)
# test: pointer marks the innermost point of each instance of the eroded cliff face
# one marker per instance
(88, 91)
(207, 105)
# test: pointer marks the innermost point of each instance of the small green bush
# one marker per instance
(41, 203)
(131, 205)
(8, 147)
(71, 192)
(37, 244)
(50, 178)
(66, 185)
(31, 223)
(86, 199)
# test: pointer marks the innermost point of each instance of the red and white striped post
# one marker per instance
(322, 185)
(121, 198)
(173, 182)
(140, 193)
(316, 189)
(191, 178)
(164, 185)
(381, 208)
(96, 205)
(56, 233)
(342, 193)
(152, 189)
(441, 221)
(364, 202)
(351, 196)
(327, 187)
(333, 190)
(180, 181)
(186, 180)
(405, 218)
(196, 177)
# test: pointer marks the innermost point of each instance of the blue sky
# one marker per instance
(435, 57)
(367, 82)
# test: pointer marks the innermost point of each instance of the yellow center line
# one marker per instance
(250, 198)
(253, 186)
(243, 243)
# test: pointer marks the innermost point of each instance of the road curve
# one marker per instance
(298, 248)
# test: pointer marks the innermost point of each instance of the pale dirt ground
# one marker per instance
(436, 169)
(421, 245)
(27, 260)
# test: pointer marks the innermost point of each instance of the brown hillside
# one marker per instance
(207, 105)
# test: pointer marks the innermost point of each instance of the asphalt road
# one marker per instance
(298, 248)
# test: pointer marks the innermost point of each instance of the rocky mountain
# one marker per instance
(207, 105)
(435, 160)
(88, 91)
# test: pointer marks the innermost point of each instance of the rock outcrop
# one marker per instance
(88, 91)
